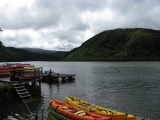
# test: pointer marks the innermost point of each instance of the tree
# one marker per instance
(1, 46)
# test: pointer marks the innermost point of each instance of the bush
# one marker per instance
(7, 93)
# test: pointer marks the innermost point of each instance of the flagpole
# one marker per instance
(1, 30)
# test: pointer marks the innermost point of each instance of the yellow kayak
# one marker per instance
(97, 109)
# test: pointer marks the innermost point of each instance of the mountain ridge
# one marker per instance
(129, 44)
(43, 51)
(11, 54)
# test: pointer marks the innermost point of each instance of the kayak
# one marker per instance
(53, 115)
(115, 115)
(4, 71)
(73, 112)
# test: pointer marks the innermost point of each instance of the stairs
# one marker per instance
(22, 92)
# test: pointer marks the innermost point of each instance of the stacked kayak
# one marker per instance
(73, 113)
(25, 72)
(29, 72)
(12, 73)
(4, 71)
(97, 109)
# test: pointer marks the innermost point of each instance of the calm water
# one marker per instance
(130, 87)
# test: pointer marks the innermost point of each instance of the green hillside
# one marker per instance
(10, 54)
(119, 45)
(47, 52)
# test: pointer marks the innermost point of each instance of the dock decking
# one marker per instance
(7, 80)
(52, 76)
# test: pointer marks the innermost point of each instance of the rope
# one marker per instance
(28, 109)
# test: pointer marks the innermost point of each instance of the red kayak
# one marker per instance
(73, 112)
(4, 71)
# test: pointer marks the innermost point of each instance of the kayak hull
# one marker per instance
(73, 112)
(115, 115)
(53, 115)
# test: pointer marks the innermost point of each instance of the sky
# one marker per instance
(62, 25)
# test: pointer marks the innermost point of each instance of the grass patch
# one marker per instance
(7, 93)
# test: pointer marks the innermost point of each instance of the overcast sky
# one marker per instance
(66, 24)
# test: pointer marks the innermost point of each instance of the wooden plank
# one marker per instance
(23, 93)
(29, 100)
(60, 75)
(7, 80)
(17, 84)
(25, 96)
(21, 90)
(20, 87)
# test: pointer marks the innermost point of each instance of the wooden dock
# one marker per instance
(7, 80)
(20, 85)
(52, 76)
(23, 77)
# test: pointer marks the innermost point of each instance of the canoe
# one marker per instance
(53, 115)
(115, 115)
(73, 112)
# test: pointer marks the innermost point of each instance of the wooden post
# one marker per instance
(40, 71)
(57, 77)
(63, 79)
(70, 78)
(22, 75)
(50, 74)
(34, 79)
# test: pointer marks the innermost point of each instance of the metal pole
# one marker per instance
(1, 30)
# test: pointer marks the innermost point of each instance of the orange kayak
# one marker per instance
(73, 112)
(86, 106)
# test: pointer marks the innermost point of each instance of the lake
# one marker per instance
(130, 87)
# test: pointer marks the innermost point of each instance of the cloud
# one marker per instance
(64, 25)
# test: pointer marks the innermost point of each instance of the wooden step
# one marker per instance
(25, 99)
(28, 100)
(25, 96)
(21, 90)
(21, 93)
(17, 84)
(19, 87)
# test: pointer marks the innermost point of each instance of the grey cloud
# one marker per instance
(91, 5)
(50, 13)
(70, 36)
(34, 17)
(131, 14)
(80, 26)
(18, 40)
(63, 22)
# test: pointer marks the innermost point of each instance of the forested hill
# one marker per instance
(112, 45)
(47, 52)
(119, 45)
(10, 54)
